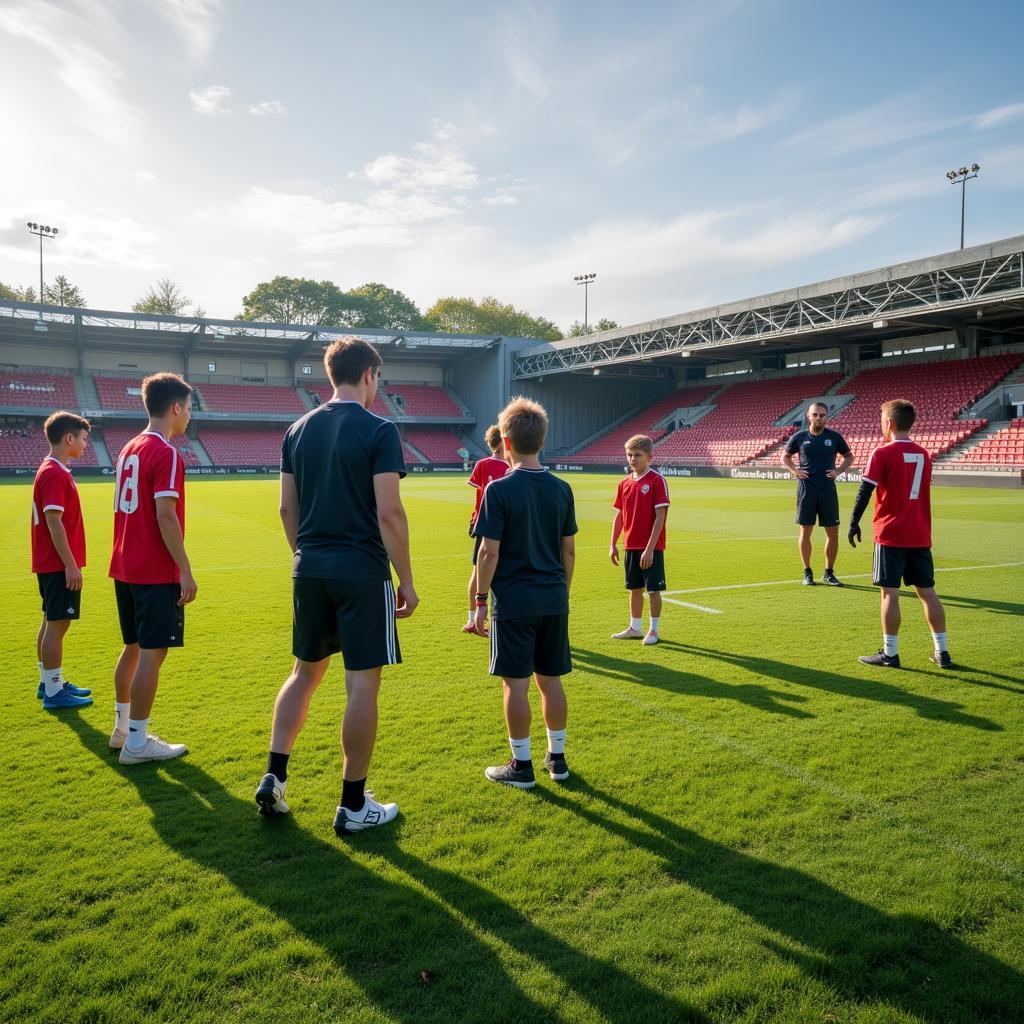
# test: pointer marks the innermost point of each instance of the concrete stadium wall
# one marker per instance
(20, 356)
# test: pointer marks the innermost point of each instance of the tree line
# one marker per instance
(300, 300)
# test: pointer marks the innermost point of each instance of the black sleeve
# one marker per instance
(569, 527)
(387, 451)
(490, 522)
(793, 444)
(861, 503)
(841, 446)
(286, 453)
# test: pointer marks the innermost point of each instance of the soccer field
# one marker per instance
(757, 827)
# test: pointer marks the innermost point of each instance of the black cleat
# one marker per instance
(510, 775)
(808, 578)
(881, 659)
(941, 658)
(829, 577)
(270, 796)
(556, 766)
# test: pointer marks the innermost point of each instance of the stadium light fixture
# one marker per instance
(961, 177)
(586, 280)
(43, 231)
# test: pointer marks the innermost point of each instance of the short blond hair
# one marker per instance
(493, 437)
(525, 423)
(641, 441)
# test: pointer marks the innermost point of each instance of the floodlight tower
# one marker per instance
(43, 231)
(961, 177)
(586, 280)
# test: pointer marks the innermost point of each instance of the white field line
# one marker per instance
(859, 800)
(846, 576)
(697, 607)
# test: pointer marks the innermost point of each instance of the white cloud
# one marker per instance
(749, 118)
(198, 22)
(210, 100)
(436, 165)
(501, 199)
(266, 107)
(999, 115)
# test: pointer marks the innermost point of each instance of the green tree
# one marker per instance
(388, 309)
(489, 316)
(165, 298)
(299, 300)
(63, 293)
(17, 294)
(576, 328)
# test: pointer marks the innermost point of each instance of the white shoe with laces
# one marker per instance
(372, 813)
(154, 749)
(628, 634)
(117, 739)
(650, 639)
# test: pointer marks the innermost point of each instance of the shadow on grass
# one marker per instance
(957, 601)
(863, 689)
(379, 932)
(866, 955)
(652, 674)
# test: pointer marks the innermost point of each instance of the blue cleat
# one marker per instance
(64, 698)
(75, 691)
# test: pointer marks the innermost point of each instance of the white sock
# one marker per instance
(636, 624)
(940, 642)
(121, 715)
(53, 681)
(520, 748)
(556, 741)
(138, 730)
(472, 617)
(41, 670)
(890, 644)
(654, 624)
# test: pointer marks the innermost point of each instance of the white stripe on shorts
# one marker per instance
(494, 646)
(389, 620)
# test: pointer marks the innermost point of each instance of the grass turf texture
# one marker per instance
(757, 827)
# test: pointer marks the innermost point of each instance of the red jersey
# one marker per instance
(148, 468)
(483, 473)
(638, 499)
(902, 472)
(54, 489)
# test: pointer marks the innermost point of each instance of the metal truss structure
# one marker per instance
(867, 299)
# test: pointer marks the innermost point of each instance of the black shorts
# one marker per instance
(912, 566)
(522, 646)
(356, 617)
(476, 548)
(59, 603)
(652, 579)
(814, 506)
(150, 615)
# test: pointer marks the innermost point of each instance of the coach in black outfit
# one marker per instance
(816, 497)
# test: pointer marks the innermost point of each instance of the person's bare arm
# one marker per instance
(568, 560)
(486, 563)
(842, 467)
(613, 551)
(394, 532)
(72, 573)
(170, 531)
(647, 555)
(787, 461)
(289, 510)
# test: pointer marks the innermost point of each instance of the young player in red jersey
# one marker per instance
(153, 578)
(901, 470)
(494, 467)
(641, 507)
(58, 555)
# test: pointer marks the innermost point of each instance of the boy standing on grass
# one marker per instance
(58, 556)
(641, 507)
(152, 575)
(527, 526)
(345, 524)
(494, 467)
(901, 470)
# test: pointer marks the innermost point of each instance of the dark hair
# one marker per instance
(63, 422)
(901, 412)
(525, 423)
(161, 390)
(814, 405)
(347, 359)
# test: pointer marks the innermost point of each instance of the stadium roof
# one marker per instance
(63, 326)
(982, 286)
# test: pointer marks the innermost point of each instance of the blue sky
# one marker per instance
(688, 154)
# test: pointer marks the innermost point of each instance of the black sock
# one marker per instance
(277, 765)
(555, 757)
(352, 798)
(521, 765)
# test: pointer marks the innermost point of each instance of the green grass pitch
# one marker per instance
(757, 827)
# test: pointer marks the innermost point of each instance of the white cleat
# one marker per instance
(628, 634)
(270, 795)
(373, 813)
(651, 639)
(117, 739)
(154, 749)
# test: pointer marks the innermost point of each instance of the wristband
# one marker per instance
(481, 597)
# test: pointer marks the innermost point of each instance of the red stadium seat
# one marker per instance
(51, 391)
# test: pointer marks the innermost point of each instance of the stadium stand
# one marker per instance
(26, 447)
(742, 426)
(115, 392)
(436, 444)
(249, 398)
(609, 448)
(422, 400)
(1003, 448)
(117, 437)
(321, 393)
(254, 447)
(939, 390)
(48, 391)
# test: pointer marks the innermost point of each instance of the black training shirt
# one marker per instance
(334, 452)
(817, 454)
(529, 511)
